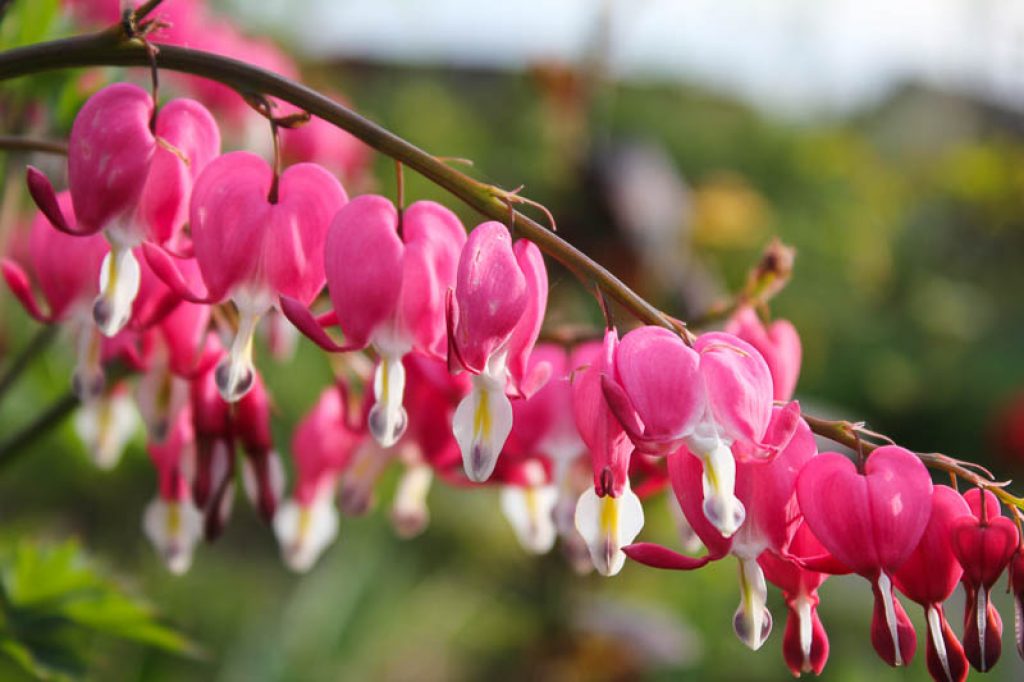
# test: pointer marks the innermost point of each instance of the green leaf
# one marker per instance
(53, 602)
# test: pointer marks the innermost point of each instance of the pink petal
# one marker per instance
(660, 375)
(531, 262)
(491, 294)
(656, 556)
(739, 385)
(109, 152)
(363, 261)
(45, 197)
(304, 321)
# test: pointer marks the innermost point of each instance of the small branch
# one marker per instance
(21, 143)
(36, 345)
(54, 415)
(849, 434)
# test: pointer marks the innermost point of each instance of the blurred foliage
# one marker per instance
(906, 293)
(53, 604)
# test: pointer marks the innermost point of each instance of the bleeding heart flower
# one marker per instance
(766, 489)
(253, 247)
(171, 521)
(778, 343)
(494, 318)
(929, 576)
(609, 514)
(805, 643)
(214, 466)
(544, 432)
(262, 472)
(1017, 587)
(322, 445)
(388, 276)
(872, 527)
(984, 542)
(130, 174)
(716, 398)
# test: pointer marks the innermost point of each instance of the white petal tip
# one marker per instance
(608, 524)
(304, 532)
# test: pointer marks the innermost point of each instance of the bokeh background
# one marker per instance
(672, 140)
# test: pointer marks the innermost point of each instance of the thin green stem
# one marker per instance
(54, 415)
(22, 143)
(36, 345)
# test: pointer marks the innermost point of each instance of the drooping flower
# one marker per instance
(494, 318)
(872, 527)
(262, 473)
(171, 521)
(984, 542)
(254, 246)
(307, 523)
(388, 276)
(805, 643)
(608, 513)
(544, 439)
(929, 576)
(778, 343)
(716, 398)
(767, 491)
(130, 174)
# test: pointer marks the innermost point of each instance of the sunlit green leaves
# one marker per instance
(53, 602)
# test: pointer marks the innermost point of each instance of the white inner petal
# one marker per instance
(482, 423)
(119, 285)
(530, 512)
(608, 524)
(387, 419)
(304, 532)
(174, 528)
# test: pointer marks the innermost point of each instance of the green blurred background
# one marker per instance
(907, 213)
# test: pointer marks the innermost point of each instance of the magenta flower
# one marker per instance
(766, 490)
(171, 521)
(388, 290)
(322, 445)
(494, 318)
(608, 514)
(984, 542)
(132, 180)
(930, 575)
(716, 398)
(253, 248)
(805, 643)
(872, 527)
(778, 343)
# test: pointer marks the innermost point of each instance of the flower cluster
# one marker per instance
(182, 253)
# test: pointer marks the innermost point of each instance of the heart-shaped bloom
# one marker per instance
(213, 470)
(323, 442)
(778, 343)
(929, 576)
(494, 318)
(767, 491)
(252, 248)
(715, 398)
(171, 521)
(608, 513)
(129, 175)
(388, 277)
(544, 433)
(805, 643)
(262, 473)
(872, 527)
(984, 542)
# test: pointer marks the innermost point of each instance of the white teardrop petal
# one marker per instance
(120, 276)
(530, 511)
(174, 528)
(608, 524)
(482, 423)
(387, 419)
(304, 532)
